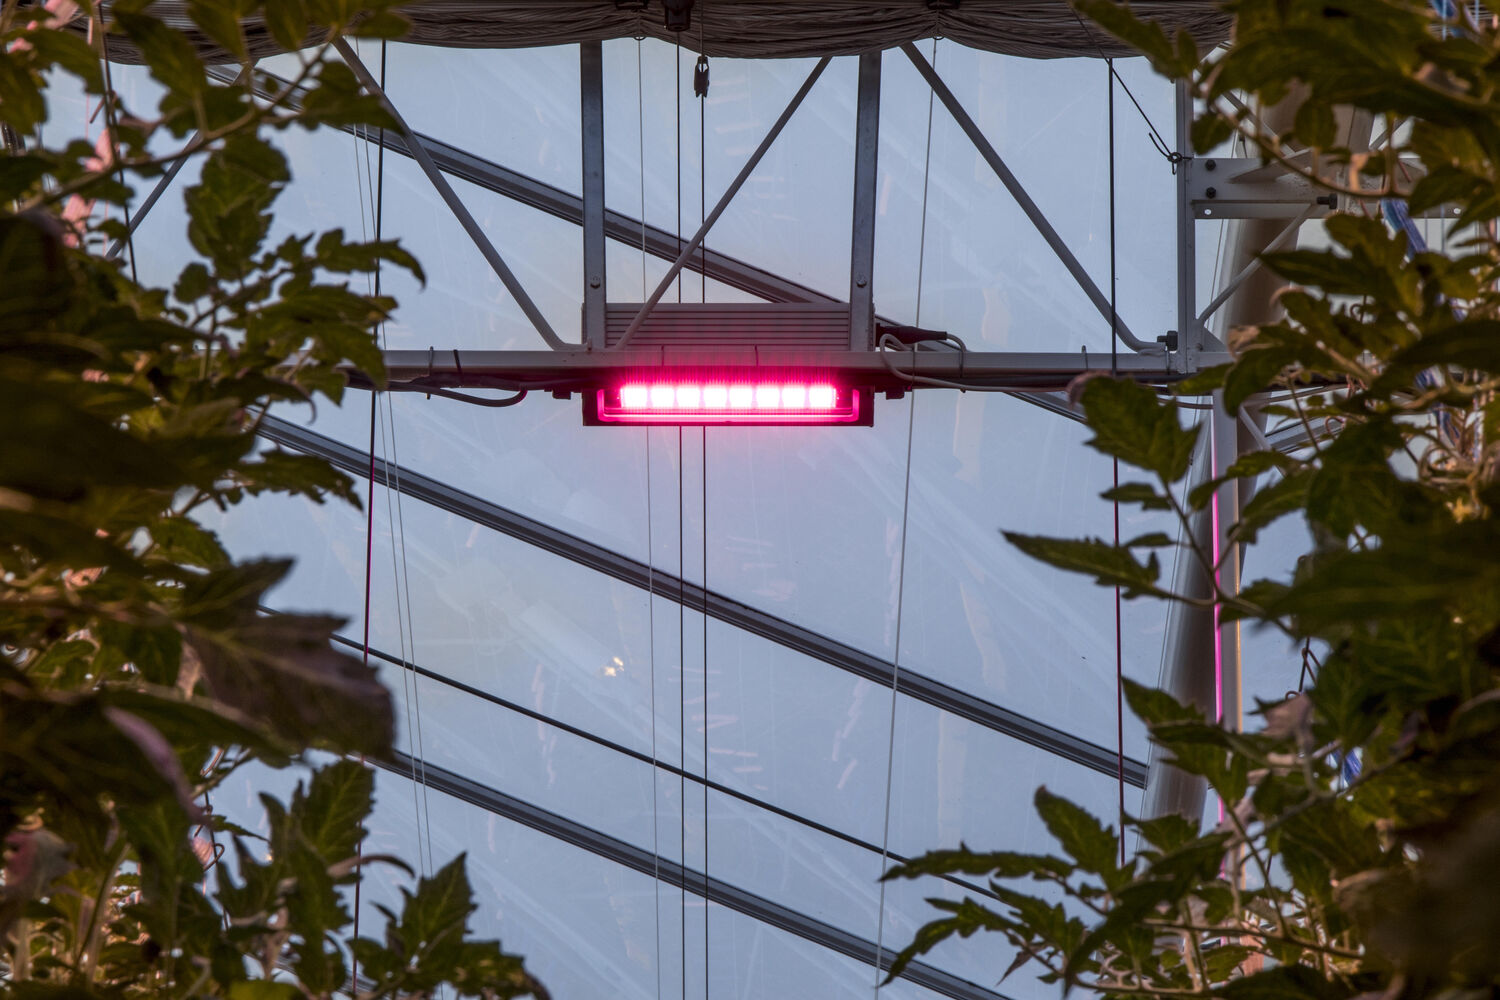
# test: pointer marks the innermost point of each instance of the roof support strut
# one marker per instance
(1013, 185)
(564, 205)
(723, 202)
(456, 205)
(591, 114)
(862, 242)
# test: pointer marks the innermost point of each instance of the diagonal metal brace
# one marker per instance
(1034, 213)
(723, 203)
(456, 205)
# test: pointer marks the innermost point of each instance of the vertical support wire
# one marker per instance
(359, 846)
(364, 173)
(640, 115)
(405, 626)
(677, 155)
(681, 701)
(911, 422)
(110, 122)
(1114, 371)
(703, 297)
(640, 110)
(704, 471)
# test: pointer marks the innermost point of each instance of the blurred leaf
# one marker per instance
(187, 542)
(334, 809)
(999, 864)
(1141, 493)
(283, 670)
(1130, 423)
(1108, 564)
(1082, 836)
(169, 54)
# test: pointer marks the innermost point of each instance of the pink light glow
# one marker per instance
(709, 400)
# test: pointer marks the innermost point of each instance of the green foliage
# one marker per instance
(1322, 881)
(137, 671)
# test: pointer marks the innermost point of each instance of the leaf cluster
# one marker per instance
(137, 668)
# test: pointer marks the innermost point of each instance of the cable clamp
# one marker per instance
(700, 77)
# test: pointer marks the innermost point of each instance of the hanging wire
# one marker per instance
(1162, 146)
(681, 698)
(111, 123)
(651, 646)
(401, 577)
(705, 707)
(1114, 370)
(703, 297)
(405, 635)
(650, 543)
(425, 816)
(911, 422)
(677, 154)
(364, 175)
(359, 845)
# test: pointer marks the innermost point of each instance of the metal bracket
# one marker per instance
(1245, 187)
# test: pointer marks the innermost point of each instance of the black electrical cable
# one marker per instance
(433, 390)
(1168, 153)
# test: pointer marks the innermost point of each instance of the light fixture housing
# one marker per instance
(729, 399)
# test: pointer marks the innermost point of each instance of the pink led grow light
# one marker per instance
(729, 401)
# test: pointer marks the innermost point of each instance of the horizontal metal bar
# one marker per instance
(673, 873)
(873, 668)
(576, 371)
(1245, 187)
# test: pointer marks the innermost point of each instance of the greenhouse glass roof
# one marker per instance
(641, 667)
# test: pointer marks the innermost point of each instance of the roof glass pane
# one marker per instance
(986, 273)
(515, 107)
